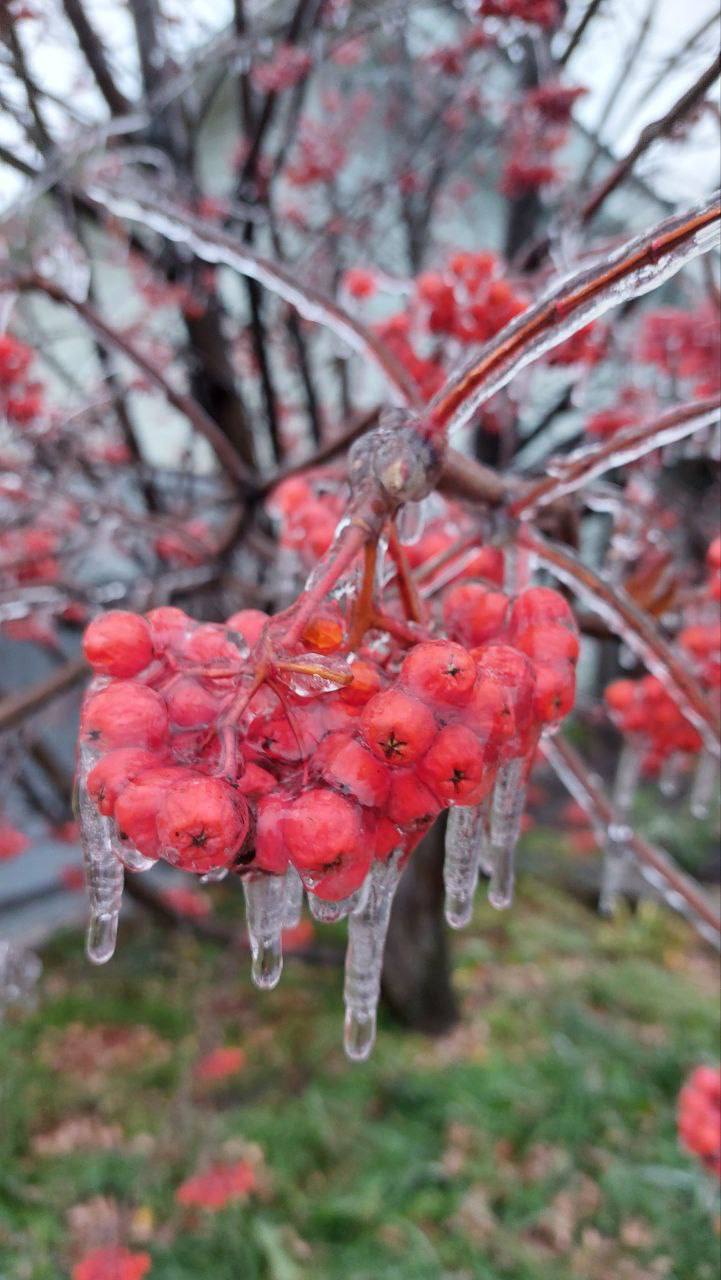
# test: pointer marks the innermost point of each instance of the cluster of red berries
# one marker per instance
(643, 710)
(539, 13)
(467, 300)
(686, 345)
(699, 1116)
(29, 554)
(538, 129)
(21, 399)
(327, 762)
(307, 508)
(287, 67)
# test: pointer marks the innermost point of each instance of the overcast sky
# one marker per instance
(678, 172)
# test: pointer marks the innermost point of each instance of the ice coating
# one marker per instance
(104, 874)
(19, 972)
(293, 898)
(367, 930)
(213, 246)
(507, 805)
(457, 406)
(265, 898)
(705, 782)
(616, 857)
(465, 838)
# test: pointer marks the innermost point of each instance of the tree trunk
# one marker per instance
(416, 973)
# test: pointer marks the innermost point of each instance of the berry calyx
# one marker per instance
(397, 727)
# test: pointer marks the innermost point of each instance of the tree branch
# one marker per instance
(633, 269)
(94, 54)
(679, 890)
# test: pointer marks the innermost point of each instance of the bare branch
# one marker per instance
(18, 706)
(185, 404)
(212, 245)
(94, 53)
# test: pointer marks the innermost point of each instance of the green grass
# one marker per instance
(536, 1142)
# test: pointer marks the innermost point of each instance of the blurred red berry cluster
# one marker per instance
(699, 1116)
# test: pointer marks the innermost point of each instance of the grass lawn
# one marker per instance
(536, 1142)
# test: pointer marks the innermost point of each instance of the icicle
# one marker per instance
(671, 775)
(214, 877)
(615, 850)
(19, 971)
(130, 857)
(293, 898)
(264, 908)
(367, 929)
(705, 782)
(507, 805)
(465, 838)
(103, 871)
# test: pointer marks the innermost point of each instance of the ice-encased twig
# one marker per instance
(293, 898)
(104, 875)
(465, 838)
(264, 911)
(706, 780)
(616, 855)
(672, 774)
(367, 930)
(19, 971)
(507, 805)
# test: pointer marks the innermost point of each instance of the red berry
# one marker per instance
(167, 626)
(472, 614)
(125, 714)
(248, 623)
(109, 777)
(454, 767)
(365, 683)
(320, 827)
(439, 671)
(271, 853)
(339, 880)
(555, 691)
(189, 704)
(202, 824)
(411, 804)
(324, 632)
(136, 809)
(549, 643)
(537, 606)
(349, 766)
(397, 727)
(211, 645)
(255, 781)
(118, 644)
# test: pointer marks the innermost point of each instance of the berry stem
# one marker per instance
(408, 590)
